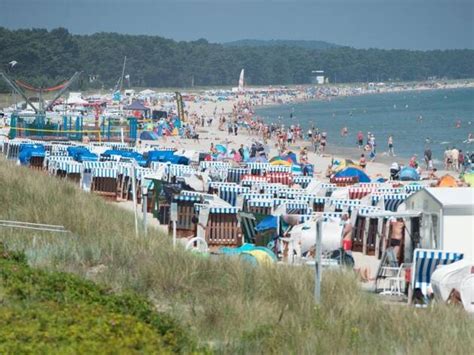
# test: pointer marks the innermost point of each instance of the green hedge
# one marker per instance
(57, 312)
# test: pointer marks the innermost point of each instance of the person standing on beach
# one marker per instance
(428, 158)
(362, 161)
(360, 139)
(323, 142)
(316, 140)
(390, 146)
(455, 158)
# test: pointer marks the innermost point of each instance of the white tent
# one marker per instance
(76, 99)
(448, 218)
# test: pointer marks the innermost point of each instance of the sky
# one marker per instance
(407, 24)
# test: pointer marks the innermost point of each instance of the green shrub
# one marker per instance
(52, 311)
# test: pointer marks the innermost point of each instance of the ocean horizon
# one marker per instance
(415, 119)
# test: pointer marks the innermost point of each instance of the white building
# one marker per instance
(448, 218)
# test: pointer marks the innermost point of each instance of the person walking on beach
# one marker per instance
(360, 139)
(390, 146)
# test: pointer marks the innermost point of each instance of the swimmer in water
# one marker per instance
(458, 124)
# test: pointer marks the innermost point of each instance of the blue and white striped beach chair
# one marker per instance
(303, 181)
(392, 201)
(235, 174)
(229, 193)
(258, 168)
(411, 188)
(425, 262)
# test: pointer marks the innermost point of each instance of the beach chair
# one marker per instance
(247, 225)
(230, 193)
(344, 181)
(357, 193)
(260, 206)
(186, 213)
(285, 178)
(392, 201)
(425, 262)
(236, 174)
(223, 228)
(104, 182)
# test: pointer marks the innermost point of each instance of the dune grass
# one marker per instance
(230, 306)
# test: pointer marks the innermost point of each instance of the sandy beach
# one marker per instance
(212, 134)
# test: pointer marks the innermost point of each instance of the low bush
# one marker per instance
(57, 312)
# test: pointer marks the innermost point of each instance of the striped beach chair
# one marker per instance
(392, 201)
(272, 188)
(104, 182)
(425, 262)
(236, 174)
(260, 206)
(279, 169)
(411, 188)
(186, 212)
(205, 165)
(341, 204)
(285, 178)
(297, 207)
(251, 180)
(356, 193)
(229, 193)
(319, 203)
(344, 181)
(223, 228)
(303, 181)
(258, 168)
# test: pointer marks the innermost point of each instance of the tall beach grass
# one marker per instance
(229, 305)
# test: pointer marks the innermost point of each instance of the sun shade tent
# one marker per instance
(165, 156)
(448, 214)
(126, 154)
(29, 151)
(409, 174)
(81, 154)
(136, 106)
(447, 181)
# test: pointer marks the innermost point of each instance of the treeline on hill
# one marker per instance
(48, 57)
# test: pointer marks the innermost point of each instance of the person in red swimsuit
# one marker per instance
(346, 234)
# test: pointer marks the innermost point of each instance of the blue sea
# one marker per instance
(396, 114)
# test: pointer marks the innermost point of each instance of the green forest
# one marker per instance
(45, 58)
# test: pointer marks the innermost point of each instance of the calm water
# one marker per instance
(384, 114)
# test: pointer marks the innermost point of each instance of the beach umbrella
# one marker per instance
(221, 149)
(291, 157)
(353, 171)
(279, 160)
(409, 174)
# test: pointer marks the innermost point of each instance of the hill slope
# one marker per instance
(229, 305)
(51, 312)
(320, 45)
(46, 58)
